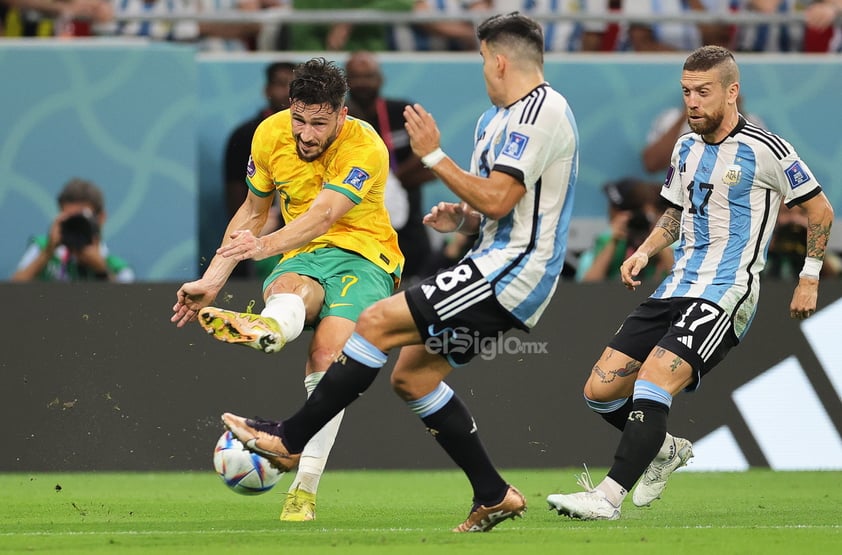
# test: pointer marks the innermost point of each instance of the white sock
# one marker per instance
(288, 310)
(314, 457)
(613, 492)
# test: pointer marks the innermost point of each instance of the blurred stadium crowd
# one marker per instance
(437, 25)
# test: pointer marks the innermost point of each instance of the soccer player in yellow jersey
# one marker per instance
(340, 252)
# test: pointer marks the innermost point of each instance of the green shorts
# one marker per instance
(351, 282)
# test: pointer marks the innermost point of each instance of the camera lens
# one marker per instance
(78, 231)
(638, 222)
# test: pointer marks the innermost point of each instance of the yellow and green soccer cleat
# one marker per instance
(245, 328)
(300, 506)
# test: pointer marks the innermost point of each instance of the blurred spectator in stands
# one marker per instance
(73, 249)
(642, 36)
(821, 34)
(343, 35)
(769, 37)
(455, 34)
(667, 126)
(786, 255)
(634, 207)
(209, 36)
(365, 101)
(52, 18)
(237, 152)
(568, 36)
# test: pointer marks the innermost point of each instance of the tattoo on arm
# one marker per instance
(670, 222)
(817, 238)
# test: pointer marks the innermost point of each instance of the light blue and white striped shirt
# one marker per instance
(522, 254)
(730, 194)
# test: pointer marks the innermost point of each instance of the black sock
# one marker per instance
(619, 417)
(642, 438)
(455, 430)
(343, 382)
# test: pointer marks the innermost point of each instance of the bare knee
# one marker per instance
(321, 358)
(372, 322)
(402, 386)
(594, 393)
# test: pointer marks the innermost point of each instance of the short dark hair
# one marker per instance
(513, 30)
(82, 190)
(710, 57)
(276, 67)
(318, 81)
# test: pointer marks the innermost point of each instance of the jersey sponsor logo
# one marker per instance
(356, 178)
(733, 174)
(516, 145)
(428, 290)
(796, 175)
(250, 169)
(335, 305)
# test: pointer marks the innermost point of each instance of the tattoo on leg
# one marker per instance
(675, 364)
(607, 377)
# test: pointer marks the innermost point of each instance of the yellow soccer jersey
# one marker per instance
(356, 165)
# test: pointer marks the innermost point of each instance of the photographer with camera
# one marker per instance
(73, 249)
(633, 209)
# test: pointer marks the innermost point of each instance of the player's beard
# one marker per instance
(314, 154)
(708, 124)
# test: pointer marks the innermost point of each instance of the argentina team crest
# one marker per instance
(515, 145)
(732, 176)
(356, 178)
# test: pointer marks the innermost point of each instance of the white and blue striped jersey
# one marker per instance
(730, 194)
(536, 141)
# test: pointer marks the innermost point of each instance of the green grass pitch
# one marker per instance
(397, 512)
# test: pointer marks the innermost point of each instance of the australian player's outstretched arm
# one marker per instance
(664, 234)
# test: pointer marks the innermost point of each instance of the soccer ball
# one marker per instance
(241, 470)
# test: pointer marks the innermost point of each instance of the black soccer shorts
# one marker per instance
(698, 331)
(457, 313)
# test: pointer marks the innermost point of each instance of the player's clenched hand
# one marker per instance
(190, 299)
(631, 267)
(445, 216)
(804, 298)
(243, 245)
(424, 136)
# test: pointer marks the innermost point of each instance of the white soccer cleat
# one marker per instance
(584, 505)
(655, 477)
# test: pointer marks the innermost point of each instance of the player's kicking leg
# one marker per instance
(281, 321)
